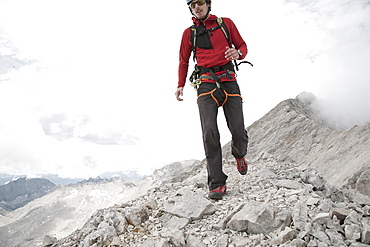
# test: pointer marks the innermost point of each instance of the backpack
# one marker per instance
(197, 33)
(194, 35)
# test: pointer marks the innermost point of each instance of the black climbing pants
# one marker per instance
(228, 96)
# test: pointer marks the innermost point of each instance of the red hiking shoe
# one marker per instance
(242, 166)
(217, 193)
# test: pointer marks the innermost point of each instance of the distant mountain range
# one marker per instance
(17, 191)
(54, 178)
(6, 178)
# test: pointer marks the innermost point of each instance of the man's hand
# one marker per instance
(179, 92)
(231, 53)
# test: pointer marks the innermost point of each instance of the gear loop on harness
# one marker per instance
(194, 78)
(196, 83)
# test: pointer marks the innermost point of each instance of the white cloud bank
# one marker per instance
(98, 92)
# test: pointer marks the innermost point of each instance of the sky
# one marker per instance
(87, 87)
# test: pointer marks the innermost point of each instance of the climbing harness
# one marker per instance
(227, 95)
(199, 73)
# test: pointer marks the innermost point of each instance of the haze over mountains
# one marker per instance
(54, 178)
(312, 179)
(18, 193)
(70, 100)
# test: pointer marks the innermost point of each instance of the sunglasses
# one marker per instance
(199, 2)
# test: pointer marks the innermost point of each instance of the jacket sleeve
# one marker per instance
(236, 38)
(185, 52)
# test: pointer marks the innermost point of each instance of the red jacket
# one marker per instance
(210, 57)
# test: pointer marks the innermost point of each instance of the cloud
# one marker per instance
(346, 47)
(98, 94)
(62, 127)
(316, 46)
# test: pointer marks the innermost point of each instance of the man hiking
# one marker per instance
(215, 43)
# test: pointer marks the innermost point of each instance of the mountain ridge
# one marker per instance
(18, 193)
(300, 134)
(171, 207)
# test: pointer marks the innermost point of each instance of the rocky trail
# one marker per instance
(274, 205)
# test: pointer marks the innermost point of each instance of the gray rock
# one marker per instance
(284, 236)
(253, 218)
(136, 215)
(320, 235)
(223, 223)
(176, 172)
(179, 205)
(298, 243)
(321, 218)
(49, 240)
(289, 184)
(365, 234)
(363, 183)
(333, 193)
(357, 244)
(152, 204)
(361, 198)
(300, 217)
(321, 244)
(282, 219)
(313, 201)
(312, 243)
(352, 232)
(353, 218)
(311, 176)
(334, 223)
(156, 243)
(173, 222)
(336, 238)
(193, 241)
(340, 213)
(176, 237)
(239, 241)
(102, 236)
(265, 173)
(222, 241)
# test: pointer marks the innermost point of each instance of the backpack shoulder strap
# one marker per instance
(224, 29)
(193, 38)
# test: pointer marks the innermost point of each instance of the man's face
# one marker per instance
(200, 11)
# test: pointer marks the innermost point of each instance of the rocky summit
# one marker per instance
(307, 185)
